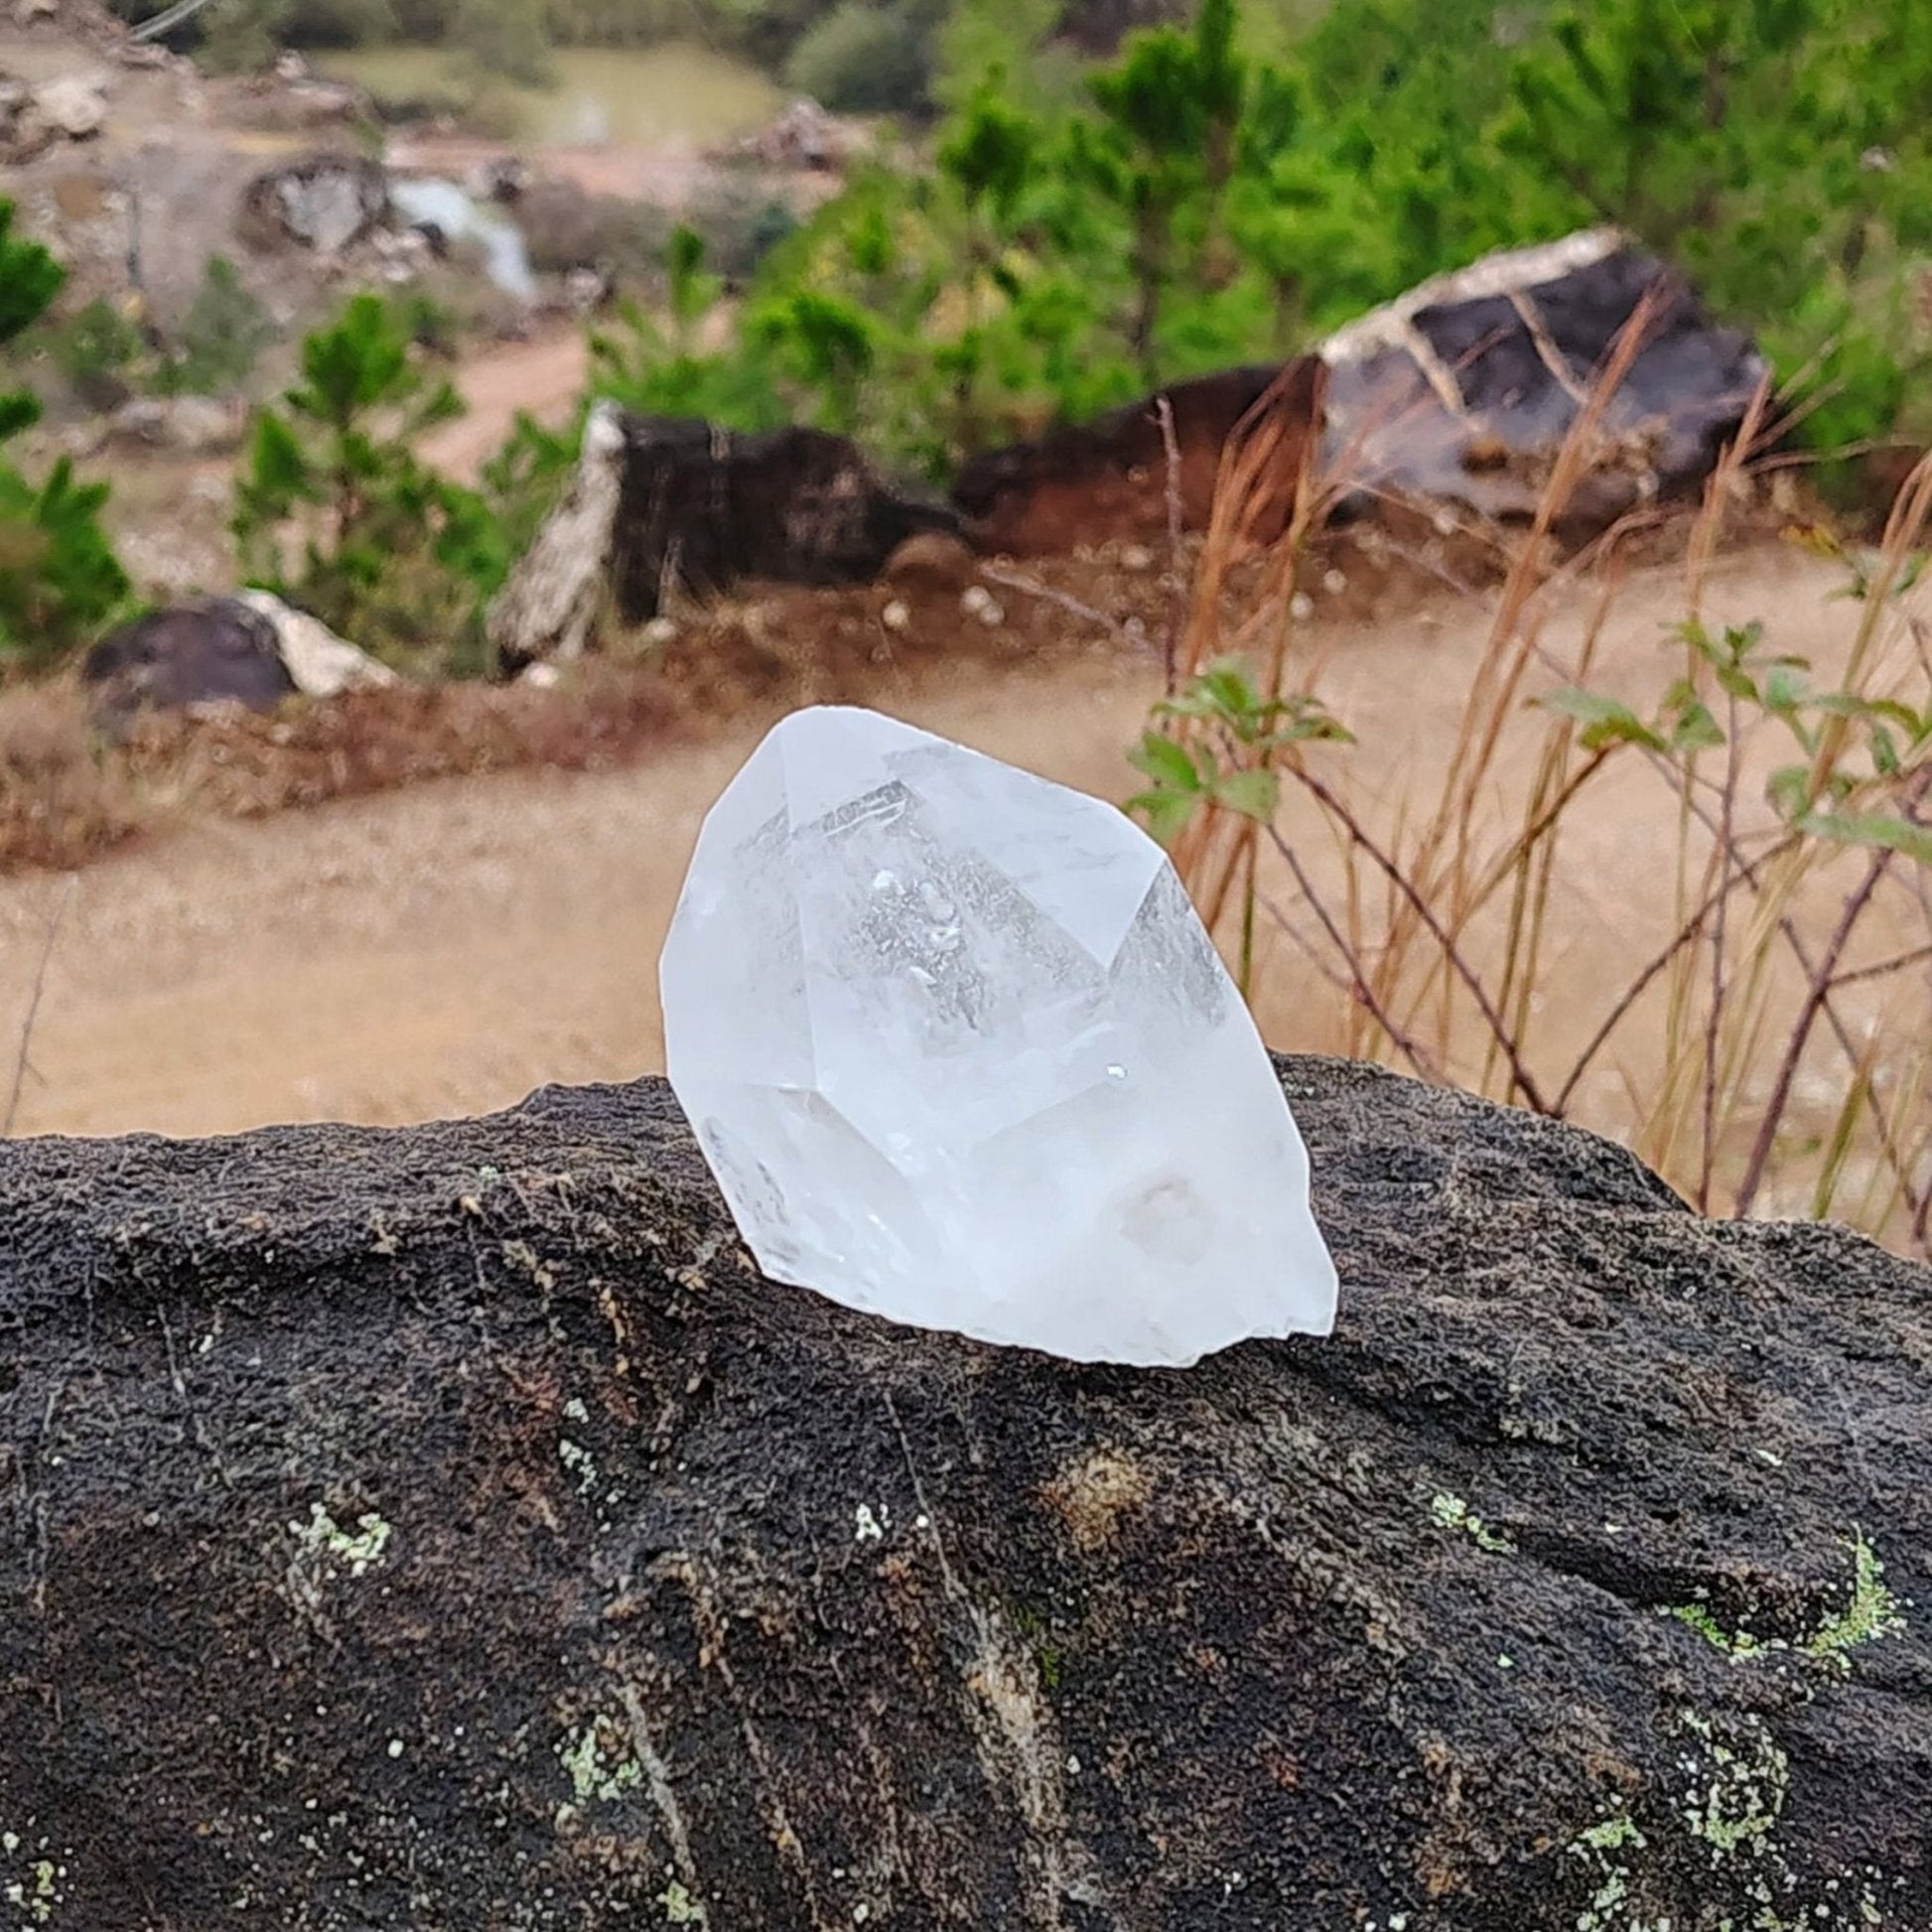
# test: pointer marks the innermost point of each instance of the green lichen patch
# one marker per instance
(1870, 1612)
(1454, 1514)
(334, 1547)
(680, 1908)
(1739, 1791)
(599, 1763)
(38, 1886)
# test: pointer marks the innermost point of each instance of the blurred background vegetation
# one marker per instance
(1068, 202)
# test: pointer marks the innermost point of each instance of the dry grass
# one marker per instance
(67, 797)
(1772, 1051)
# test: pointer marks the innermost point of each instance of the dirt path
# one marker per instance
(543, 378)
(444, 949)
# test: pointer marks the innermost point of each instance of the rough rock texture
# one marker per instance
(1466, 388)
(250, 649)
(321, 202)
(549, 603)
(446, 1528)
(215, 651)
(1113, 477)
(319, 665)
(702, 509)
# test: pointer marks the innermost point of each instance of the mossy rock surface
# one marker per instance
(448, 1526)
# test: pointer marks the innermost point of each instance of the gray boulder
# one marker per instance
(323, 203)
(448, 1526)
(1464, 389)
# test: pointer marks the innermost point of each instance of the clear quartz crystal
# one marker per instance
(959, 1052)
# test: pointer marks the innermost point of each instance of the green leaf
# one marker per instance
(1168, 813)
(1605, 721)
(1166, 762)
(1883, 831)
(1784, 689)
(1695, 730)
(1789, 790)
(1227, 688)
(1254, 792)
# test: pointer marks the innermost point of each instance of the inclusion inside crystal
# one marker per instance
(959, 1052)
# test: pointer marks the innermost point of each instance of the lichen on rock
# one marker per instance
(447, 1526)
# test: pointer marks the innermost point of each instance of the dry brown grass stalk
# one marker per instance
(1787, 1045)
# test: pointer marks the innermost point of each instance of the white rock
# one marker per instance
(976, 600)
(321, 663)
(896, 616)
(76, 105)
(959, 1052)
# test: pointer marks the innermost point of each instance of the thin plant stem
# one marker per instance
(1452, 953)
(32, 1015)
(1815, 995)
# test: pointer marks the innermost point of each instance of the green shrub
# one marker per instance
(862, 59)
(503, 36)
(335, 512)
(221, 338)
(97, 351)
(59, 580)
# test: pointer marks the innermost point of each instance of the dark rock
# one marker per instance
(932, 563)
(1112, 478)
(1466, 387)
(447, 1527)
(216, 651)
(704, 509)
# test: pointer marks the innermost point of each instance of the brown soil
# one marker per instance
(544, 377)
(444, 948)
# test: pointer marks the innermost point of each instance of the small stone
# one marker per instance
(76, 107)
(660, 631)
(1138, 558)
(976, 600)
(959, 1054)
(895, 617)
(930, 561)
(1335, 583)
(1300, 606)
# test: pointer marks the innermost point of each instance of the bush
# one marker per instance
(97, 351)
(385, 551)
(221, 337)
(862, 59)
(503, 36)
(59, 580)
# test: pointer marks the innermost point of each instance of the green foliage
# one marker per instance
(508, 38)
(1227, 763)
(652, 364)
(96, 349)
(335, 512)
(221, 338)
(1777, 150)
(862, 59)
(1212, 196)
(243, 35)
(59, 580)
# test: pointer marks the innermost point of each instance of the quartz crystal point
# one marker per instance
(959, 1054)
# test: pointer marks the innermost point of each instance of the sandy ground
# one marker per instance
(544, 377)
(442, 950)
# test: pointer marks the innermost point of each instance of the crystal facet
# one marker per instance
(959, 1052)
